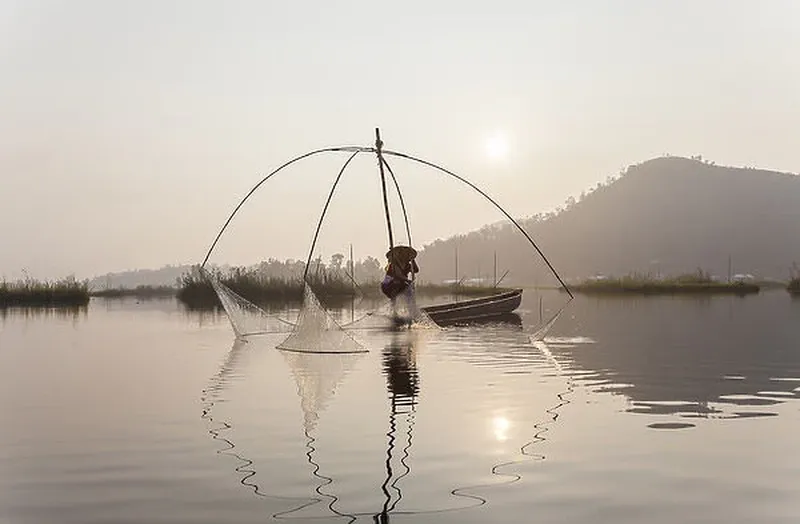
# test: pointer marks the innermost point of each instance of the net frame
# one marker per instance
(235, 302)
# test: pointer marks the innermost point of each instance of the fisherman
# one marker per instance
(400, 264)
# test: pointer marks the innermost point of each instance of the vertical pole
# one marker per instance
(494, 275)
(352, 270)
(541, 310)
(352, 286)
(729, 269)
(379, 152)
(456, 275)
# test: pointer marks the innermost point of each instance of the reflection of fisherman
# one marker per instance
(401, 263)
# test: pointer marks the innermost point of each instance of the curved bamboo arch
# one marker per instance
(324, 211)
(348, 149)
(382, 163)
(402, 201)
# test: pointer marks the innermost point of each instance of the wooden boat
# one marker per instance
(497, 305)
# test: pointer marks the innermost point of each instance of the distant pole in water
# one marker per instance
(541, 310)
(352, 286)
(352, 270)
(729, 269)
(455, 277)
(494, 275)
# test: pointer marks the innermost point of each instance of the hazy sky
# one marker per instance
(129, 130)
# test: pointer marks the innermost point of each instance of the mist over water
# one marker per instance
(659, 409)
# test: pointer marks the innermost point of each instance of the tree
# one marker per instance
(336, 262)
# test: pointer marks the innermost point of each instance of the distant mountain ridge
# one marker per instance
(668, 215)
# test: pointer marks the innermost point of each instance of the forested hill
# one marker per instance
(670, 215)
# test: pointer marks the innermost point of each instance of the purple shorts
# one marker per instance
(393, 287)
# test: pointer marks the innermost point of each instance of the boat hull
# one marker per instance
(498, 305)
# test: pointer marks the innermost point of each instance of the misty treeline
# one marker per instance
(794, 283)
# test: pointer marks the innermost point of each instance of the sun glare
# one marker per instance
(500, 427)
(497, 147)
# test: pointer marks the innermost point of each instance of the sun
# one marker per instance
(497, 147)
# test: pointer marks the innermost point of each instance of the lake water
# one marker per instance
(656, 410)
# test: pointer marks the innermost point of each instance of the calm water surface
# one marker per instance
(632, 410)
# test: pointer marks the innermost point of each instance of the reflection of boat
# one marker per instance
(478, 308)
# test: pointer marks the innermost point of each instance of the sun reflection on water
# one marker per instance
(500, 426)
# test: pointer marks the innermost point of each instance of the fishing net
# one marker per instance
(405, 307)
(316, 331)
(245, 317)
(403, 311)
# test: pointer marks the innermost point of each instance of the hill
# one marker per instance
(668, 215)
(165, 276)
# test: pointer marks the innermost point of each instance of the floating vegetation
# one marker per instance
(137, 292)
(700, 283)
(66, 292)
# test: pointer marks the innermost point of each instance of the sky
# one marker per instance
(130, 130)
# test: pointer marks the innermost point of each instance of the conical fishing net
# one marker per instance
(316, 331)
(245, 317)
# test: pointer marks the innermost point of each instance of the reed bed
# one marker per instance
(66, 292)
(698, 283)
(196, 291)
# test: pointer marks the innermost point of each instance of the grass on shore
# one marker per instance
(196, 291)
(699, 283)
(794, 286)
(66, 292)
